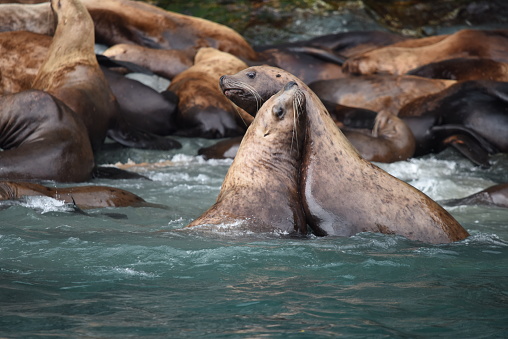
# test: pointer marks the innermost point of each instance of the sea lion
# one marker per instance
(139, 105)
(84, 197)
(202, 110)
(71, 72)
(389, 141)
(163, 62)
(260, 190)
(476, 109)
(342, 193)
(496, 195)
(42, 139)
(402, 57)
(463, 69)
(140, 23)
(224, 149)
(36, 18)
(377, 92)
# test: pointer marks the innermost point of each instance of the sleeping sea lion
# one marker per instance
(202, 110)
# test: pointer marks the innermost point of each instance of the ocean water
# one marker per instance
(132, 272)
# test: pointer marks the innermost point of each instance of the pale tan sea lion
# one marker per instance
(260, 191)
(71, 72)
(342, 193)
(402, 57)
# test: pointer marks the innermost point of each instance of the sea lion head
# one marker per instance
(253, 86)
(281, 119)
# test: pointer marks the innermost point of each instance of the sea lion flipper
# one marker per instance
(319, 53)
(130, 66)
(129, 136)
(470, 148)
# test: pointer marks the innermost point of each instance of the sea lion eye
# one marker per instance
(278, 112)
(251, 75)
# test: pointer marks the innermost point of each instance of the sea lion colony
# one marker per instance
(364, 80)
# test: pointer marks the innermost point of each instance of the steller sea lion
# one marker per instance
(377, 92)
(342, 193)
(42, 139)
(71, 72)
(202, 110)
(140, 23)
(389, 141)
(404, 56)
(463, 69)
(84, 197)
(163, 62)
(260, 191)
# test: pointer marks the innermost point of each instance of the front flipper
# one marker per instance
(129, 136)
(470, 148)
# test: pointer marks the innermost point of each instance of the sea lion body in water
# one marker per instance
(84, 197)
(260, 190)
(342, 193)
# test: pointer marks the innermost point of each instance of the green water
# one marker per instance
(136, 274)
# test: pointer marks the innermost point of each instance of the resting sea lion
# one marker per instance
(260, 191)
(342, 193)
(402, 57)
(136, 22)
(470, 115)
(377, 92)
(36, 18)
(42, 139)
(140, 106)
(202, 110)
(163, 62)
(84, 197)
(389, 141)
(462, 69)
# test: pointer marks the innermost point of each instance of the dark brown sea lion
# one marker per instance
(342, 193)
(202, 110)
(260, 191)
(470, 114)
(496, 195)
(377, 92)
(42, 139)
(402, 57)
(163, 62)
(84, 197)
(462, 69)
(224, 149)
